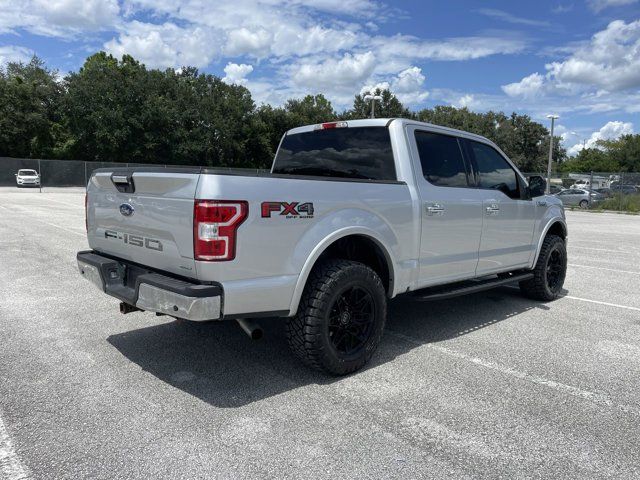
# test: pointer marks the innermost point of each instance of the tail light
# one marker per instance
(215, 226)
(86, 218)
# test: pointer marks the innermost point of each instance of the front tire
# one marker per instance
(584, 204)
(340, 319)
(549, 272)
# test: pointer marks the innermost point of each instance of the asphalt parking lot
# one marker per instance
(486, 386)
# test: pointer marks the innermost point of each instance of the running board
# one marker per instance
(465, 288)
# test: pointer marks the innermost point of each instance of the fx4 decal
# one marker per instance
(289, 210)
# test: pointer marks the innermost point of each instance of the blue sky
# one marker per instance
(577, 58)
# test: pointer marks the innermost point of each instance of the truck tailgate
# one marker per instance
(145, 216)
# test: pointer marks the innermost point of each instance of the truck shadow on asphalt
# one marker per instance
(219, 364)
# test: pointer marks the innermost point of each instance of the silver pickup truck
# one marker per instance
(351, 215)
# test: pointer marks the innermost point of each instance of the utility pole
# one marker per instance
(553, 119)
(373, 99)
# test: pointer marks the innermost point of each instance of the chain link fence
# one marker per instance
(68, 173)
(619, 191)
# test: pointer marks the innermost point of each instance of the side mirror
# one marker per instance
(537, 186)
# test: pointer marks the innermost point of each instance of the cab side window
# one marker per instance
(441, 159)
(493, 171)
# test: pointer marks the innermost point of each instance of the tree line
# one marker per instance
(117, 110)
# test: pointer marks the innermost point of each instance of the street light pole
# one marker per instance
(553, 119)
(373, 99)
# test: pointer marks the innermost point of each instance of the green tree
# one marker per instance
(624, 151)
(310, 110)
(388, 107)
(590, 160)
(119, 111)
(30, 110)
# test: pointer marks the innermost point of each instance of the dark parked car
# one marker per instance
(626, 189)
(605, 192)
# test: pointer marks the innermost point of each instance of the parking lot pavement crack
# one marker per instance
(594, 397)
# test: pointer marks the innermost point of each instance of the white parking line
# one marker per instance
(626, 307)
(603, 268)
(11, 467)
(595, 397)
(608, 250)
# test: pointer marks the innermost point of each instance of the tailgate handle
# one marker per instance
(123, 183)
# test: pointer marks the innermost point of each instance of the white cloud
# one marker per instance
(598, 5)
(528, 87)
(14, 53)
(244, 41)
(358, 8)
(510, 18)
(610, 131)
(58, 18)
(348, 71)
(465, 101)
(610, 62)
(408, 86)
(166, 45)
(601, 75)
(409, 80)
(237, 74)
(451, 49)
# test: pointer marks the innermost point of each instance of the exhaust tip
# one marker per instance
(257, 334)
(251, 329)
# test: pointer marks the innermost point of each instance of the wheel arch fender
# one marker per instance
(552, 223)
(374, 229)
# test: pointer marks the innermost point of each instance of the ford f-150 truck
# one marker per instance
(352, 214)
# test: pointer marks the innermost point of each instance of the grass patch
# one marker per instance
(623, 203)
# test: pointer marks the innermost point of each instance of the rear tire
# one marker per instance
(584, 204)
(549, 272)
(340, 319)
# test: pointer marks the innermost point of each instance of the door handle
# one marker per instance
(435, 209)
(492, 209)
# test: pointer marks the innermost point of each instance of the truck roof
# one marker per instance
(383, 122)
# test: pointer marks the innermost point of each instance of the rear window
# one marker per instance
(441, 159)
(358, 153)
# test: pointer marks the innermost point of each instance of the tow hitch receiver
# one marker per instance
(126, 308)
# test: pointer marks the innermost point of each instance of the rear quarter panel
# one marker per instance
(275, 253)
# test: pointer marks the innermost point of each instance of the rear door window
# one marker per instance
(357, 153)
(493, 171)
(441, 159)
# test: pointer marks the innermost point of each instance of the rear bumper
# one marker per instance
(149, 290)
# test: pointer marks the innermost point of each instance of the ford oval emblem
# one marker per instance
(126, 209)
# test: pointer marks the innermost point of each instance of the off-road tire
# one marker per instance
(308, 333)
(539, 288)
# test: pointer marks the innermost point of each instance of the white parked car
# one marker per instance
(27, 177)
